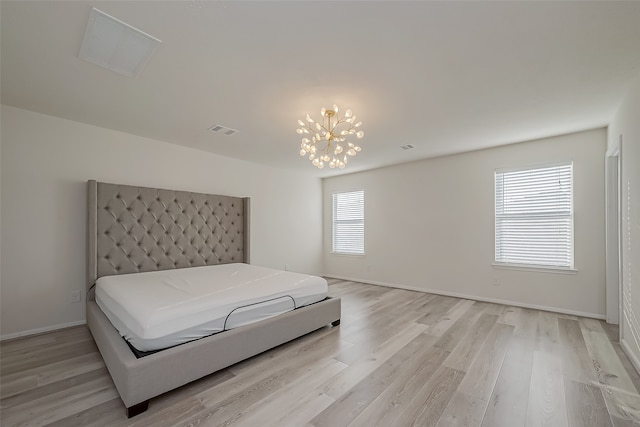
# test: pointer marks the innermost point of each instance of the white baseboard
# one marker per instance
(632, 357)
(41, 330)
(476, 298)
(634, 360)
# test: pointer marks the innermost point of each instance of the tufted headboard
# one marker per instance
(135, 229)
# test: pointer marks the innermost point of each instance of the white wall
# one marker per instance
(429, 225)
(46, 162)
(626, 123)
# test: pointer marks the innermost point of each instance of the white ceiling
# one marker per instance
(446, 77)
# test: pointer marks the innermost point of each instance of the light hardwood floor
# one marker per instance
(399, 358)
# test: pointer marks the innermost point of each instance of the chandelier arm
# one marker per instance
(314, 130)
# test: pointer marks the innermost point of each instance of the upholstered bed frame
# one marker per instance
(135, 229)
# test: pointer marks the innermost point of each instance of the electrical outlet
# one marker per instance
(286, 267)
(76, 296)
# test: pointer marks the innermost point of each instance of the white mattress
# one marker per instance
(160, 309)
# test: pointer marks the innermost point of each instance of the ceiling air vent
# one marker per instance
(222, 129)
(407, 147)
(116, 45)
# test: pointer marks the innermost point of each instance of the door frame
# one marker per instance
(613, 218)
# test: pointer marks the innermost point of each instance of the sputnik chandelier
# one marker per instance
(325, 141)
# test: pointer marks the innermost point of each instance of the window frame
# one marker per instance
(554, 268)
(335, 221)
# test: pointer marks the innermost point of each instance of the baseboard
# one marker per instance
(635, 361)
(41, 330)
(476, 298)
(632, 357)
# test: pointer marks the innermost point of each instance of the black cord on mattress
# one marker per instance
(91, 289)
(140, 353)
(256, 303)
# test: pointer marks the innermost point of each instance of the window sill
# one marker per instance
(536, 269)
(347, 254)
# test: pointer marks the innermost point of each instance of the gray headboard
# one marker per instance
(135, 229)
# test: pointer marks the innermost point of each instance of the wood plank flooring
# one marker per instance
(399, 358)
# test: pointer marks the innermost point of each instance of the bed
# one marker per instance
(144, 230)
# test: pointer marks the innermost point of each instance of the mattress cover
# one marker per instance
(160, 309)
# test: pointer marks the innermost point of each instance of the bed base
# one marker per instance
(138, 380)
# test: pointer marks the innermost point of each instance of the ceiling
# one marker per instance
(446, 77)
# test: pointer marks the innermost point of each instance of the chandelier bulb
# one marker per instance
(360, 134)
(335, 108)
(351, 152)
(323, 111)
(299, 131)
(348, 114)
(301, 123)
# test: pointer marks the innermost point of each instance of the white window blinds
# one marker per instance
(348, 222)
(534, 217)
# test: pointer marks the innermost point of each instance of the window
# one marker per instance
(348, 223)
(534, 217)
